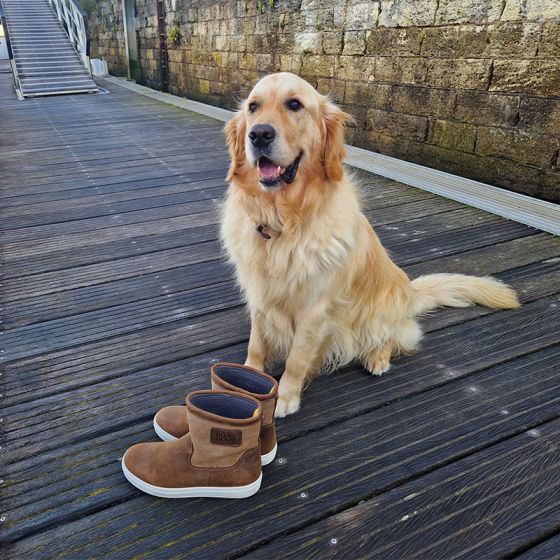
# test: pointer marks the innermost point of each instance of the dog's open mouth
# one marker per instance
(272, 175)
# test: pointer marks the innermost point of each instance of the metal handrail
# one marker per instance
(10, 52)
(74, 20)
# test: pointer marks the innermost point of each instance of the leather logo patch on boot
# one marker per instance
(225, 437)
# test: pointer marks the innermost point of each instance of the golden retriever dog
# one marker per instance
(321, 289)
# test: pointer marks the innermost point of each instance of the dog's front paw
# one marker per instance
(287, 404)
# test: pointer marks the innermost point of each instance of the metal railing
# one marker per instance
(74, 20)
(4, 24)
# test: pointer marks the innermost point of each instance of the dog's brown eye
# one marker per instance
(294, 105)
(252, 107)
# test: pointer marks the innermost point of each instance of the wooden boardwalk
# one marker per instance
(116, 300)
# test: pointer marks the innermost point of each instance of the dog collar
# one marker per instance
(267, 232)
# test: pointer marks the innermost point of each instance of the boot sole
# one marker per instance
(266, 459)
(230, 492)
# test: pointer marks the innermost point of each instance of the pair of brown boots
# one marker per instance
(215, 445)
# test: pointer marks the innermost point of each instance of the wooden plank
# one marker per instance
(135, 174)
(494, 258)
(93, 154)
(76, 330)
(175, 233)
(114, 160)
(145, 209)
(84, 299)
(64, 333)
(65, 163)
(419, 248)
(548, 550)
(30, 241)
(530, 249)
(437, 363)
(445, 354)
(81, 300)
(111, 123)
(128, 246)
(115, 186)
(62, 211)
(70, 204)
(424, 431)
(532, 282)
(100, 148)
(90, 275)
(183, 163)
(484, 506)
(105, 131)
(110, 358)
(124, 240)
(209, 168)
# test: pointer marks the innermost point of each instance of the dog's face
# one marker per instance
(282, 125)
(284, 131)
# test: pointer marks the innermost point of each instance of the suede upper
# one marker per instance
(203, 413)
(248, 380)
(242, 380)
(199, 458)
(173, 419)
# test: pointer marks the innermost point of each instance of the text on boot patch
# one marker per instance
(225, 437)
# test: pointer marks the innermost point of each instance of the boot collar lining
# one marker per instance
(225, 405)
(243, 378)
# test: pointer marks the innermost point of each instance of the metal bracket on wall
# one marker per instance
(130, 40)
(162, 36)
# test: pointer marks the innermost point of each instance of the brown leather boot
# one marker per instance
(171, 422)
(218, 458)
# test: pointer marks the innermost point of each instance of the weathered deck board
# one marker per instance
(147, 210)
(166, 235)
(118, 185)
(413, 375)
(547, 550)
(115, 300)
(483, 506)
(101, 358)
(431, 429)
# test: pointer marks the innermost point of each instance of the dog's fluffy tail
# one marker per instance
(460, 290)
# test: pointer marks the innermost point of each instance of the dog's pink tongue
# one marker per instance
(268, 170)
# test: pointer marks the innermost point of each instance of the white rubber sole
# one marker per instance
(162, 434)
(269, 457)
(166, 436)
(229, 492)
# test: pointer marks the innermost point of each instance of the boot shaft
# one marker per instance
(223, 426)
(249, 381)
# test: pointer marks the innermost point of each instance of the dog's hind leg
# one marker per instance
(405, 339)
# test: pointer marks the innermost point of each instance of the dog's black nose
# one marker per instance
(262, 135)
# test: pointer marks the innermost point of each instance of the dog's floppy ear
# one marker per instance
(235, 136)
(334, 120)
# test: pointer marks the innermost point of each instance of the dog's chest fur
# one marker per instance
(293, 270)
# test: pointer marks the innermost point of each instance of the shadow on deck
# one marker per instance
(115, 301)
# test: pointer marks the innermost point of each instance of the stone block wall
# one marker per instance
(467, 86)
(105, 23)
